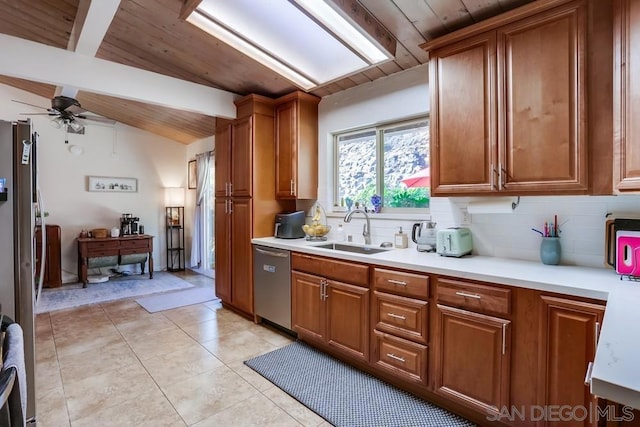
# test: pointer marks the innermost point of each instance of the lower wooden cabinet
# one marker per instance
(332, 313)
(472, 354)
(52, 265)
(400, 357)
(569, 333)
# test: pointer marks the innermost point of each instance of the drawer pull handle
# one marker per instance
(394, 357)
(397, 282)
(396, 316)
(466, 295)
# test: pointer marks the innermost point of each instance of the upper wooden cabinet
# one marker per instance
(222, 157)
(297, 146)
(626, 96)
(509, 103)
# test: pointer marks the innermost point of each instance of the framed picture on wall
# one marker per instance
(112, 183)
(192, 176)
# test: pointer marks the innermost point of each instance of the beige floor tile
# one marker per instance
(46, 350)
(43, 325)
(215, 328)
(152, 410)
(99, 392)
(271, 335)
(126, 312)
(190, 314)
(181, 364)
(152, 345)
(51, 409)
(81, 317)
(255, 411)
(83, 341)
(250, 376)
(297, 410)
(205, 395)
(149, 324)
(239, 346)
(48, 377)
(78, 366)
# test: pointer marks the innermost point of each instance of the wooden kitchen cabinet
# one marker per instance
(297, 146)
(400, 324)
(245, 205)
(508, 113)
(626, 106)
(569, 332)
(473, 355)
(330, 312)
(52, 265)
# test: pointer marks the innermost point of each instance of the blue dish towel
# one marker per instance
(14, 341)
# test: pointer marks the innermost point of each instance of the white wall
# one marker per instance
(406, 94)
(119, 151)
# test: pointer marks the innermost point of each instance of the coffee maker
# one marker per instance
(424, 235)
(128, 224)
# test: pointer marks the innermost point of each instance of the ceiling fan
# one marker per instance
(67, 112)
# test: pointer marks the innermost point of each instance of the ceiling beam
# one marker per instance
(46, 64)
(360, 17)
(89, 28)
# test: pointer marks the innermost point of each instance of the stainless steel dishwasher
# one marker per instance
(272, 284)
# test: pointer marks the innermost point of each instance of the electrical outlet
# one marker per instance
(465, 218)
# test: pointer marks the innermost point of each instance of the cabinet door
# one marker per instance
(542, 102)
(473, 358)
(569, 338)
(223, 249)
(307, 306)
(626, 106)
(242, 157)
(223, 158)
(463, 117)
(286, 150)
(348, 319)
(241, 255)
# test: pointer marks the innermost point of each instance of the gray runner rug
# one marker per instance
(345, 396)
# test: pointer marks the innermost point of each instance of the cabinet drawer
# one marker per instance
(329, 268)
(401, 316)
(102, 244)
(400, 357)
(398, 282)
(474, 296)
(95, 253)
(134, 243)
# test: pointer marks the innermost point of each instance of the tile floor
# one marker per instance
(115, 364)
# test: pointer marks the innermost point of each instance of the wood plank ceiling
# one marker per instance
(148, 34)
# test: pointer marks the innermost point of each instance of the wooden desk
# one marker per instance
(113, 246)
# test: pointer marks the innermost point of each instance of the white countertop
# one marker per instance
(616, 370)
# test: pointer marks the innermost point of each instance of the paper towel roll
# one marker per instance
(491, 206)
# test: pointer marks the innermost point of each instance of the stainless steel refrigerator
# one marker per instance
(17, 220)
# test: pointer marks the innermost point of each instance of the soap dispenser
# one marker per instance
(401, 240)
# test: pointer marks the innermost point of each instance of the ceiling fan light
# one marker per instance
(76, 126)
(56, 122)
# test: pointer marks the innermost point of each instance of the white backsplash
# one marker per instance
(510, 235)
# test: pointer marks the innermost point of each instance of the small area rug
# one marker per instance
(169, 300)
(343, 395)
(74, 295)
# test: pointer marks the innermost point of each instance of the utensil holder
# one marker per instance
(550, 250)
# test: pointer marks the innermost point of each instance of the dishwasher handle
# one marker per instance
(271, 253)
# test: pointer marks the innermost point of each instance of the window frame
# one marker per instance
(379, 129)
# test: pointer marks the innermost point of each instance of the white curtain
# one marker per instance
(203, 169)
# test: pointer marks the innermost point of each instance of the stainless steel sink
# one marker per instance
(366, 250)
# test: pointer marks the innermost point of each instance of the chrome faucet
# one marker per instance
(366, 229)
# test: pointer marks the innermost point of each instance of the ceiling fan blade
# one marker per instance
(75, 109)
(26, 103)
(38, 114)
(96, 119)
